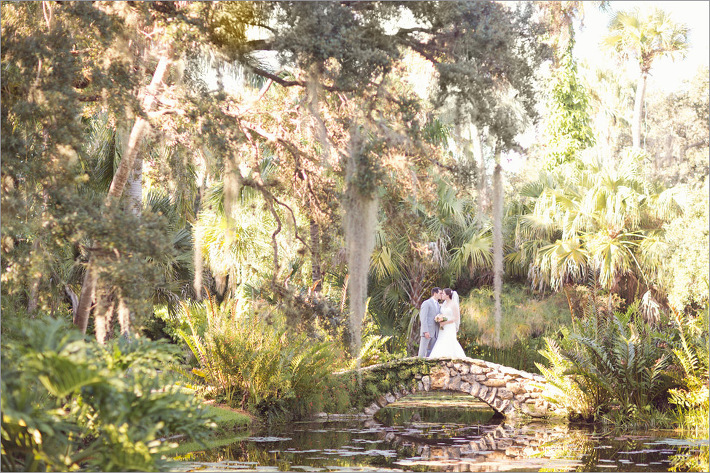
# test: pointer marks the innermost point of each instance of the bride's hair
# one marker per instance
(448, 292)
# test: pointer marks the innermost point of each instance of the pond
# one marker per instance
(445, 432)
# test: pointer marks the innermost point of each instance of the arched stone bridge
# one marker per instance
(508, 391)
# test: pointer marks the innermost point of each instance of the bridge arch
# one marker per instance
(510, 392)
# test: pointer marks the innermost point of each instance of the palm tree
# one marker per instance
(593, 219)
(645, 38)
(424, 248)
(236, 251)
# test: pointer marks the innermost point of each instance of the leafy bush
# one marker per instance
(609, 366)
(684, 264)
(257, 365)
(691, 398)
(577, 394)
(69, 404)
(373, 351)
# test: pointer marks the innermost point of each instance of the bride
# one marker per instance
(447, 346)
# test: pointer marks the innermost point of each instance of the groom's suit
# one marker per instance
(430, 308)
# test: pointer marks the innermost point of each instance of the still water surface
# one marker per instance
(444, 433)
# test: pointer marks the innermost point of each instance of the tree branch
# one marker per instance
(290, 83)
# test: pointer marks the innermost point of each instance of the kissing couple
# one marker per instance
(439, 324)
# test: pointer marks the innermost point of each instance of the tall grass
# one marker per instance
(524, 316)
(526, 320)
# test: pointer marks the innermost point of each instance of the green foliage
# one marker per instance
(568, 122)
(373, 351)
(256, 364)
(685, 259)
(595, 219)
(525, 317)
(69, 78)
(577, 394)
(676, 133)
(522, 354)
(646, 37)
(692, 398)
(69, 404)
(611, 368)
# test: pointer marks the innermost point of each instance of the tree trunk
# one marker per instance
(197, 263)
(103, 315)
(360, 226)
(140, 127)
(497, 244)
(73, 298)
(120, 177)
(344, 295)
(86, 296)
(638, 110)
(569, 300)
(124, 317)
(478, 158)
(134, 187)
(33, 299)
(316, 274)
(414, 337)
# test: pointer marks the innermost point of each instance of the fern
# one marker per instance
(253, 364)
(692, 397)
(612, 364)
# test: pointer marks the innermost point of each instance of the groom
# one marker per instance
(429, 329)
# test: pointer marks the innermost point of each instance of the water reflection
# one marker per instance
(443, 438)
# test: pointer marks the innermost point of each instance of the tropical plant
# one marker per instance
(373, 351)
(577, 394)
(68, 403)
(609, 368)
(691, 398)
(568, 122)
(682, 261)
(441, 242)
(594, 219)
(250, 359)
(645, 38)
(611, 97)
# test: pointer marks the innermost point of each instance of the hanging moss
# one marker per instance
(497, 245)
(360, 223)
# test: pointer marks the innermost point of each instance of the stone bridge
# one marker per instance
(508, 391)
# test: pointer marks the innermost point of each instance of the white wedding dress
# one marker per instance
(447, 346)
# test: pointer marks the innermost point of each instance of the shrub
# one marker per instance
(68, 403)
(577, 394)
(257, 365)
(691, 398)
(609, 365)
(373, 351)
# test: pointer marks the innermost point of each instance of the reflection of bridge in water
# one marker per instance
(477, 444)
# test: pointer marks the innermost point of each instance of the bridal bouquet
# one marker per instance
(440, 318)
